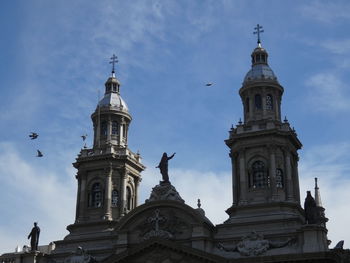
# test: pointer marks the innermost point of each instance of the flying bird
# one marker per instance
(33, 135)
(39, 154)
(209, 84)
(84, 137)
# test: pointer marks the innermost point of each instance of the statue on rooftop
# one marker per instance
(163, 166)
(310, 209)
(34, 237)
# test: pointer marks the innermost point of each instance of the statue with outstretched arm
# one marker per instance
(163, 166)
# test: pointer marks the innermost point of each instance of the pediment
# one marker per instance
(163, 251)
(163, 219)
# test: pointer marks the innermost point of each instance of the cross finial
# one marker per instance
(259, 30)
(114, 59)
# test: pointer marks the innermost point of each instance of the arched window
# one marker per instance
(258, 103)
(269, 102)
(279, 178)
(128, 198)
(247, 104)
(260, 177)
(104, 128)
(114, 128)
(114, 198)
(114, 87)
(96, 195)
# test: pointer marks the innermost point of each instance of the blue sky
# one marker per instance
(54, 58)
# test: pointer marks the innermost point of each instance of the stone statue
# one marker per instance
(163, 166)
(34, 237)
(310, 209)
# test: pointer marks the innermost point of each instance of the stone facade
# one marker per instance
(266, 222)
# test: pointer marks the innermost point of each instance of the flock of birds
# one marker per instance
(34, 135)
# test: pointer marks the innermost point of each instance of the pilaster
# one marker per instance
(243, 179)
(108, 193)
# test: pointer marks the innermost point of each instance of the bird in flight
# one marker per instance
(209, 84)
(39, 154)
(84, 137)
(33, 135)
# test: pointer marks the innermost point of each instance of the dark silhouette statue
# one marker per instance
(34, 237)
(310, 209)
(163, 166)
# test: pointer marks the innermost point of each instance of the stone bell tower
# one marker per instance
(108, 174)
(263, 152)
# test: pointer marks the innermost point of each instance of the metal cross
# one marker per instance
(114, 59)
(259, 30)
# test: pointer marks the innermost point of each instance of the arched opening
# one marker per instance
(279, 178)
(115, 198)
(115, 128)
(260, 176)
(247, 104)
(104, 128)
(258, 103)
(269, 102)
(96, 195)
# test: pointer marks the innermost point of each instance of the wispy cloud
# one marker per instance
(33, 194)
(327, 93)
(338, 47)
(326, 12)
(211, 188)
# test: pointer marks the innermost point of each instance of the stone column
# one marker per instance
(109, 129)
(242, 179)
(251, 107)
(123, 192)
(289, 186)
(273, 174)
(234, 187)
(277, 106)
(296, 178)
(83, 192)
(263, 101)
(77, 209)
(121, 130)
(108, 193)
(137, 182)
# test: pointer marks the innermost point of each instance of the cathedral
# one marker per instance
(267, 221)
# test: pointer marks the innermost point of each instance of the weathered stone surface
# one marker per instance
(164, 191)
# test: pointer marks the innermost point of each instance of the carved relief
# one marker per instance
(254, 244)
(162, 225)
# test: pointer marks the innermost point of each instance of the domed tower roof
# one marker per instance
(261, 92)
(112, 96)
(260, 69)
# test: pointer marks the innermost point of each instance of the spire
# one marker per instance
(317, 194)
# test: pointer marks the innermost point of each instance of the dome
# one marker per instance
(113, 100)
(260, 72)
